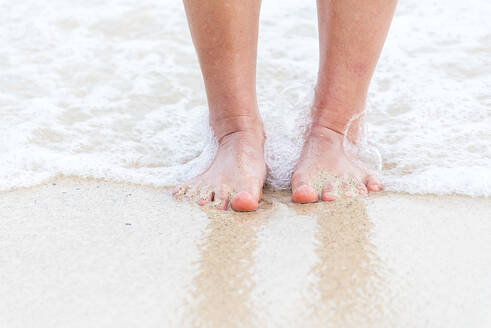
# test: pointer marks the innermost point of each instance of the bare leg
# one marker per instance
(351, 36)
(225, 36)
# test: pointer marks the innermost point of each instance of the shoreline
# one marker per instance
(267, 189)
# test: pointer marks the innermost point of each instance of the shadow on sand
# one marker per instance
(346, 280)
(348, 283)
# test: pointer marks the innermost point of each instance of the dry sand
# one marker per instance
(86, 253)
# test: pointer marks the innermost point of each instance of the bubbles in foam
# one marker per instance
(112, 89)
(363, 153)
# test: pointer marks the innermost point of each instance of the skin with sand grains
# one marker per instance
(351, 36)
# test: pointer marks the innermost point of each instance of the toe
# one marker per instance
(179, 191)
(221, 200)
(304, 194)
(205, 198)
(244, 201)
(347, 190)
(328, 193)
(361, 189)
(373, 184)
(193, 192)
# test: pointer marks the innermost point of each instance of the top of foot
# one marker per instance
(236, 176)
(324, 171)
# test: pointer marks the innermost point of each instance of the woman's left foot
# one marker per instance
(324, 172)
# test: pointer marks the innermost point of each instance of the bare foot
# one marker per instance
(324, 171)
(236, 175)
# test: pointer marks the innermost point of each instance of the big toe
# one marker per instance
(304, 194)
(243, 201)
(373, 184)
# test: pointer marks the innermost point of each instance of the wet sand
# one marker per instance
(87, 253)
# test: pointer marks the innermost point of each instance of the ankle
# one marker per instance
(239, 139)
(343, 122)
(338, 112)
(338, 136)
(238, 125)
(326, 134)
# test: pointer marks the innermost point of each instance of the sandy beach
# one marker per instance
(113, 90)
(87, 253)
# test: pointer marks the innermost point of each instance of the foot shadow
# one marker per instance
(222, 287)
(348, 280)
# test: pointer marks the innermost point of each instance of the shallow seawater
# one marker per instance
(112, 89)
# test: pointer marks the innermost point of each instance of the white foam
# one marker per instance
(112, 89)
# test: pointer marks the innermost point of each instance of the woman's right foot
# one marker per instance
(235, 176)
